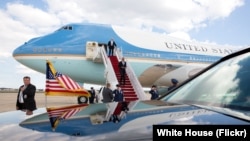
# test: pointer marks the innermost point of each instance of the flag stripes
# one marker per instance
(62, 84)
(57, 114)
(64, 113)
(58, 84)
(67, 82)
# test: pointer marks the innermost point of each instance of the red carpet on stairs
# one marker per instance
(129, 93)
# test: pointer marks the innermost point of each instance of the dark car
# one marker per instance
(223, 87)
(216, 101)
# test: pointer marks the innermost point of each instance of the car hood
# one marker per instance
(137, 124)
(170, 113)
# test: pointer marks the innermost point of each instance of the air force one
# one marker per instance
(197, 101)
(155, 58)
(79, 51)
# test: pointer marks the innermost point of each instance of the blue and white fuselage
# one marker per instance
(155, 58)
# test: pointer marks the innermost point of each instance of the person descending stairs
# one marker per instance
(129, 93)
(132, 90)
(126, 86)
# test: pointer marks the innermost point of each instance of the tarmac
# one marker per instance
(8, 101)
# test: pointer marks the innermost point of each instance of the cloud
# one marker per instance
(165, 14)
(4, 54)
(67, 11)
(182, 35)
(21, 21)
(218, 8)
(21, 69)
(31, 16)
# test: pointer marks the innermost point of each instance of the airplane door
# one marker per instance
(91, 49)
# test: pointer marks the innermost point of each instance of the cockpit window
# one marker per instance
(68, 27)
(226, 85)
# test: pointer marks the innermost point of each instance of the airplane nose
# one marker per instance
(26, 54)
(23, 50)
(19, 50)
(26, 49)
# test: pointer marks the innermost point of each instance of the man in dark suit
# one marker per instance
(92, 95)
(154, 92)
(122, 68)
(26, 97)
(118, 93)
(111, 46)
(174, 84)
(107, 94)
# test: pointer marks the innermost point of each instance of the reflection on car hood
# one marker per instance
(182, 114)
(143, 118)
(243, 114)
(197, 115)
(136, 125)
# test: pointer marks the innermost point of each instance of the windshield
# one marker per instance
(225, 85)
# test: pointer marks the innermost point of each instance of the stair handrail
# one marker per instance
(103, 53)
(110, 76)
(135, 83)
(109, 73)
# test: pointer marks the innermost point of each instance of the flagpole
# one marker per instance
(45, 100)
(46, 84)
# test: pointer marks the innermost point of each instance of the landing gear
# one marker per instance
(82, 99)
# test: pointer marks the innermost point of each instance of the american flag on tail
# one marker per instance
(62, 85)
(61, 113)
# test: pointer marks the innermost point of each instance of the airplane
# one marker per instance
(179, 59)
(155, 58)
(200, 100)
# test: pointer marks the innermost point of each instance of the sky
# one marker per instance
(222, 22)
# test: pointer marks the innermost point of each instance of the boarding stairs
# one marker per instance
(132, 89)
(129, 93)
(128, 90)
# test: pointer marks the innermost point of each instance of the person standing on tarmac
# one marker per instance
(92, 95)
(107, 94)
(174, 84)
(26, 97)
(154, 92)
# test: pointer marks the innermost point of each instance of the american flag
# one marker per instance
(67, 82)
(59, 84)
(58, 114)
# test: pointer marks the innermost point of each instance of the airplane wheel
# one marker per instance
(82, 99)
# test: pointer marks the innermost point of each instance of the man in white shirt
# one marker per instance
(26, 97)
